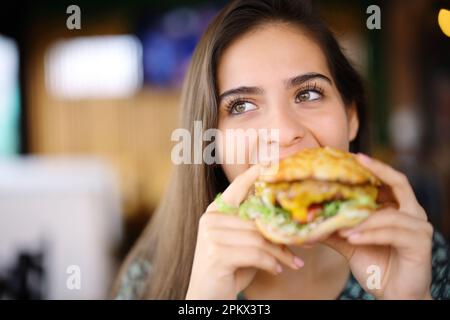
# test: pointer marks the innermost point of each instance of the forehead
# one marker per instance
(268, 55)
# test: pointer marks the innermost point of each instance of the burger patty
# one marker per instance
(305, 199)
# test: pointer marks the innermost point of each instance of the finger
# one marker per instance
(344, 231)
(240, 238)
(340, 245)
(335, 242)
(396, 237)
(251, 257)
(388, 218)
(238, 190)
(396, 180)
(283, 254)
(210, 220)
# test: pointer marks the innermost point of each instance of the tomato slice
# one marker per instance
(313, 211)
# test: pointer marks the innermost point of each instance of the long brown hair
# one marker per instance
(168, 241)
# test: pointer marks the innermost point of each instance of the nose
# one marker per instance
(291, 131)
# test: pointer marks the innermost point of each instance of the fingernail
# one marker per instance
(364, 158)
(298, 262)
(279, 268)
(354, 236)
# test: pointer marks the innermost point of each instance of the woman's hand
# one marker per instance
(398, 240)
(230, 250)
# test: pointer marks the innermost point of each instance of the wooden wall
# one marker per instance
(132, 134)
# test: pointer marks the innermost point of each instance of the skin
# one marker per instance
(233, 253)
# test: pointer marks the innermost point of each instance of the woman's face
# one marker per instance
(275, 77)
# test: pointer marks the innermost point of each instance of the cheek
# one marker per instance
(331, 129)
(236, 146)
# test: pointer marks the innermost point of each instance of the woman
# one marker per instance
(273, 64)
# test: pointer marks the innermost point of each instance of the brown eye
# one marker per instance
(308, 95)
(242, 107)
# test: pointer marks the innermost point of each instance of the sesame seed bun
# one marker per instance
(326, 164)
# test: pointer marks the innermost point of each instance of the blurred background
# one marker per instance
(86, 117)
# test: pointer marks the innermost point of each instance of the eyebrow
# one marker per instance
(289, 83)
(298, 80)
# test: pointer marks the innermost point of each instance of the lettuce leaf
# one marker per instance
(331, 208)
(362, 201)
(224, 207)
(255, 207)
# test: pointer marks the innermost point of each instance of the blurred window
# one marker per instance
(94, 67)
(9, 97)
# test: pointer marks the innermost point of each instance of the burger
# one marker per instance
(311, 194)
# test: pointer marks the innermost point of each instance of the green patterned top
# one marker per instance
(132, 284)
